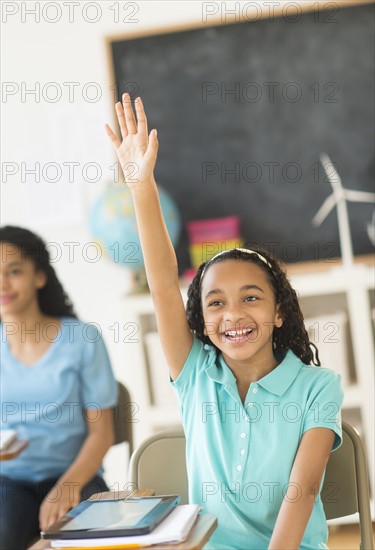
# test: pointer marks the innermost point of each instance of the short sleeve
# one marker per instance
(200, 356)
(324, 405)
(98, 384)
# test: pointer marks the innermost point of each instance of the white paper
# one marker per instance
(6, 438)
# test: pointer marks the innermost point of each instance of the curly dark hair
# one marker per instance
(291, 335)
(52, 298)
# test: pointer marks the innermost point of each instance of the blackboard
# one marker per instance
(298, 89)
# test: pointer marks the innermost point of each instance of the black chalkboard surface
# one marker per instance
(243, 112)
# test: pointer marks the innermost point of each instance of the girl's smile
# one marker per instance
(6, 299)
(238, 335)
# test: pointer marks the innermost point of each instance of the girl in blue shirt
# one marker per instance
(260, 421)
(57, 390)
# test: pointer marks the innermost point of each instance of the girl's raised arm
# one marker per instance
(137, 155)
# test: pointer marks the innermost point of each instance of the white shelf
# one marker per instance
(352, 397)
(336, 280)
(162, 417)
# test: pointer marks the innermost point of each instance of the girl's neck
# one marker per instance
(27, 326)
(251, 370)
(248, 371)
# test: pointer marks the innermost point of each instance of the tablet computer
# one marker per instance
(112, 518)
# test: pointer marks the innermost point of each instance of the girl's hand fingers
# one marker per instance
(54, 516)
(129, 115)
(112, 136)
(153, 145)
(141, 117)
(121, 119)
(45, 515)
(43, 518)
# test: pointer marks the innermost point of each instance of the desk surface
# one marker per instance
(14, 449)
(199, 535)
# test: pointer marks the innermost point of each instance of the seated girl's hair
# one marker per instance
(52, 298)
(291, 335)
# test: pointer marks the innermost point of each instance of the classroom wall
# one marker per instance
(69, 56)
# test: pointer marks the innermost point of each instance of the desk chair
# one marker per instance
(159, 463)
(122, 416)
(346, 484)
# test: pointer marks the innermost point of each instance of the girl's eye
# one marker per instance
(215, 303)
(250, 298)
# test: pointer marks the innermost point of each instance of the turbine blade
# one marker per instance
(359, 196)
(331, 172)
(324, 210)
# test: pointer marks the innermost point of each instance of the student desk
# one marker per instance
(199, 535)
(14, 449)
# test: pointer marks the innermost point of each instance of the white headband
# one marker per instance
(246, 250)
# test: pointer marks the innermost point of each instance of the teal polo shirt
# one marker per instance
(240, 456)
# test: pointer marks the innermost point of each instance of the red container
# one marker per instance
(216, 229)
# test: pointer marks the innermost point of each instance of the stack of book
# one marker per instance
(209, 237)
(110, 524)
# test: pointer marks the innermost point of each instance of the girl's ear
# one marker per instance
(278, 317)
(41, 279)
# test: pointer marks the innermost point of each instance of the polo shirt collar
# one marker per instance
(279, 379)
(276, 381)
(217, 368)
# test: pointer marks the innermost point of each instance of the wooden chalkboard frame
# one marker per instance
(305, 7)
(277, 12)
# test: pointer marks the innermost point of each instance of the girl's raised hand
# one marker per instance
(137, 151)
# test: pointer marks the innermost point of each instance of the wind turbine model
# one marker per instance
(371, 229)
(339, 198)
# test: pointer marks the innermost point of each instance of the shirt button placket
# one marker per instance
(245, 436)
(243, 450)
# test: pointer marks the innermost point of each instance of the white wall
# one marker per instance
(36, 129)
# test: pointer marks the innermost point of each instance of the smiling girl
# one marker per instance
(260, 420)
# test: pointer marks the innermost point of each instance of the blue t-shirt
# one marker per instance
(45, 402)
(240, 456)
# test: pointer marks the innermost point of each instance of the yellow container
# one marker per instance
(201, 252)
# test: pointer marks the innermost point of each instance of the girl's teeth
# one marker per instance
(238, 332)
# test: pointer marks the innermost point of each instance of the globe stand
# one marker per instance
(113, 224)
(139, 281)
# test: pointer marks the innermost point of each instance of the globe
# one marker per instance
(113, 225)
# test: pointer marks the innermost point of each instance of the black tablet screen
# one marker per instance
(112, 514)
